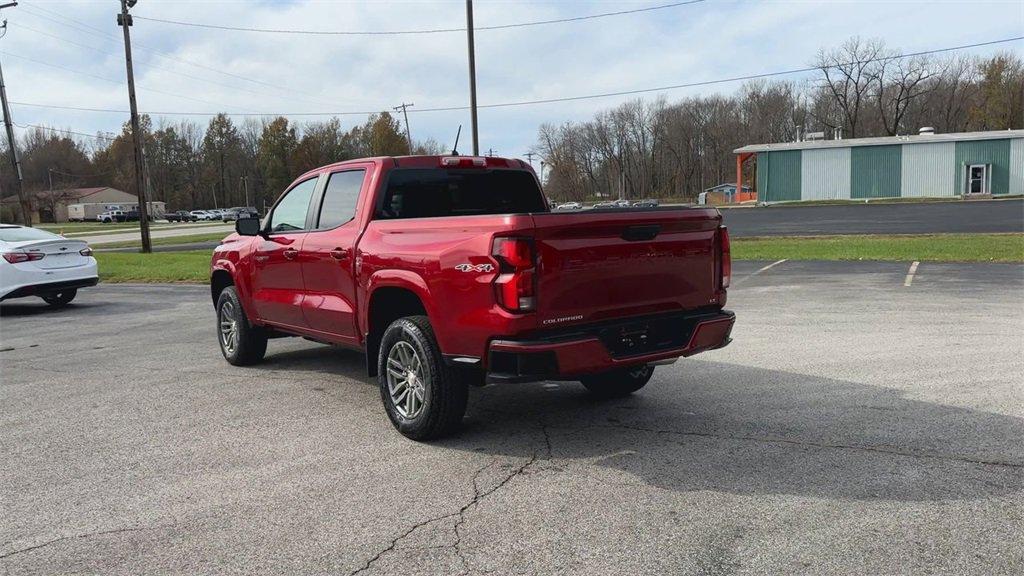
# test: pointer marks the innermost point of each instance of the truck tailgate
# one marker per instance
(600, 265)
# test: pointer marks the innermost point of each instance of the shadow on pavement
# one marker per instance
(724, 427)
(753, 431)
(28, 307)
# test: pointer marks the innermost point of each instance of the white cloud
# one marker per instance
(700, 42)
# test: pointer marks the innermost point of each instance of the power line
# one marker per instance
(179, 113)
(164, 69)
(424, 31)
(56, 17)
(66, 131)
(114, 81)
(161, 69)
(552, 100)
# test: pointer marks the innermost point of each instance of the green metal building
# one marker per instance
(926, 165)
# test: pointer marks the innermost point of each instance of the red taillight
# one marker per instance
(18, 257)
(85, 251)
(723, 239)
(515, 284)
(464, 162)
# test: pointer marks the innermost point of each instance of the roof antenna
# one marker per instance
(455, 149)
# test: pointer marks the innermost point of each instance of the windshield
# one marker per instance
(431, 192)
(19, 234)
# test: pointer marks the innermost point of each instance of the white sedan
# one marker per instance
(37, 263)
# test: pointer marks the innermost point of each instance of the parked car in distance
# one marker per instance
(133, 216)
(606, 204)
(180, 216)
(38, 263)
(200, 214)
(645, 204)
(450, 271)
(570, 206)
(236, 213)
(111, 216)
(622, 203)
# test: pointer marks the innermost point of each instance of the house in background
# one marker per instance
(52, 205)
(725, 193)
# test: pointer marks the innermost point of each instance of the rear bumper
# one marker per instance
(578, 351)
(50, 287)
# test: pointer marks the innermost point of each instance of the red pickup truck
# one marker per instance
(451, 271)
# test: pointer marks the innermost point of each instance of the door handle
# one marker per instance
(339, 254)
(290, 253)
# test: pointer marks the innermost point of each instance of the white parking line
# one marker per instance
(755, 273)
(910, 273)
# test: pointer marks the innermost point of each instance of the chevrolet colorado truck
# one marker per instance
(452, 271)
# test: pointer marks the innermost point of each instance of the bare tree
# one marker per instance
(898, 83)
(849, 73)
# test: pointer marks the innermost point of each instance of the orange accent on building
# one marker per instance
(742, 196)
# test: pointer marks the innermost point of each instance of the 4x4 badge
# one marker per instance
(474, 267)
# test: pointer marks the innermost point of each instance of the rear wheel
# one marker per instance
(62, 298)
(241, 343)
(618, 383)
(424, 397)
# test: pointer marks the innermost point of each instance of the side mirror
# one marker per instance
(248, 226)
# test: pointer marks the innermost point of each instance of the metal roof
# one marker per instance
(882, 141)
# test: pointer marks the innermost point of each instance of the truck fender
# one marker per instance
(239, 281)
(392, 278)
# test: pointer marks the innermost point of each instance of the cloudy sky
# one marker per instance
(60, 53)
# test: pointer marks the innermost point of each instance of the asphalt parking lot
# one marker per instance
(996, 216)
(855, 426)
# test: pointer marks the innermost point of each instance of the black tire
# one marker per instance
(618, 383)
(60, 299)
(442, 389)
(248, 344)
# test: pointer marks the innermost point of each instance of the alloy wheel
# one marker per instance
(228, 327)
(406, 380)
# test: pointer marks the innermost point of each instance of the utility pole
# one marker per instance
(245, 184)
(12, 150)
(491, 151)
(529, 157)
(408, 134)
(124, 20)
(472, 77)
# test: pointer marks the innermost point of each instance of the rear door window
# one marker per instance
(340, 198)
(432, 192)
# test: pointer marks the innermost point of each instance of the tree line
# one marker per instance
(189, 167)
(644, 149)
(639, 149)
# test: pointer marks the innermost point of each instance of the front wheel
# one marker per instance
(62, 298)
(618, 383)
(423, 397)
(241, 343)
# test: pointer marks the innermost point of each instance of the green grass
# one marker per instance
(157, 267)
(932, 248)
(112, 228)
(167, 241)
(77, 227)
(194, 266)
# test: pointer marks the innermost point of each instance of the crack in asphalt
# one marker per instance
(80, 536)
(460, 514)
(825, 445)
